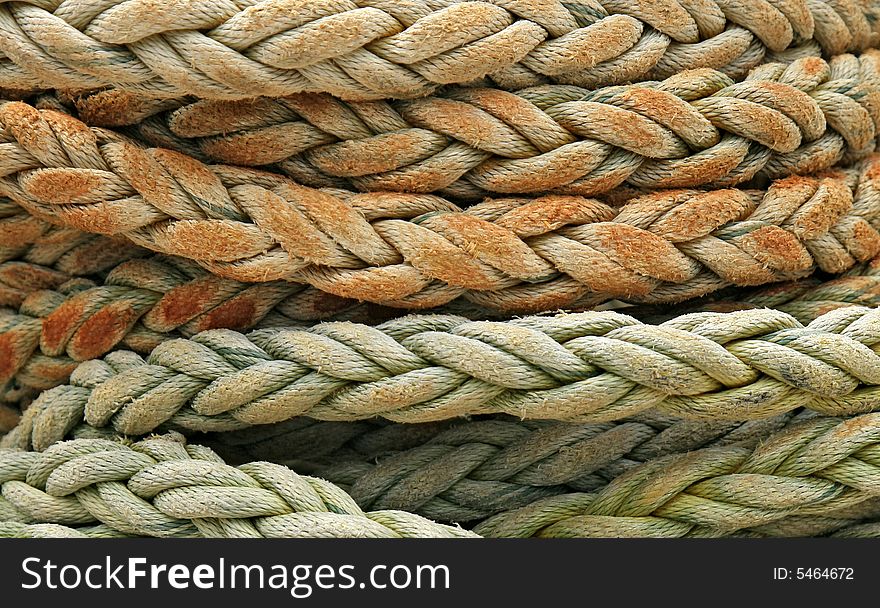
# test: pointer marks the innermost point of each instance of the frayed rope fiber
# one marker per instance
(418, 251)
(589, 367)
(371, 50)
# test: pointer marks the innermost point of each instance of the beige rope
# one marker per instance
(816, 468)
(421, 251)
(370, 50)
(695, 128)
(162, 487)
(587, 367)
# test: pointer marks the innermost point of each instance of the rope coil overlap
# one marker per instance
(681, 196)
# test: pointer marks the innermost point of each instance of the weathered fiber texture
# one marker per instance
(36, 255)
(140, 304)
(820, 467)
(812, 477)
(805, 299)
(161, 487)
(468, 471)
(418, 251)
(371, 50)
(695, 128)
(584, 367)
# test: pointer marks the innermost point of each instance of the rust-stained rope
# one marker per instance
(142, 303)
(420, 250)
(695, 128)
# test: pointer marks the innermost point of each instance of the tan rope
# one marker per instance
(695, 128)
(421, 251)
(370, 50)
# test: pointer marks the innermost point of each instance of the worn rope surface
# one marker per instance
(814, 468)
(813, 476)
(140, 304)
(695, 128)
(588, 367)
(37, 255)
(468, 471)
(371, 50)
(162, 487)
(692, 129)
(421, 251)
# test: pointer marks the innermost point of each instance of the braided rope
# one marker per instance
(695, 128)
(35, 254)
(468, 471)
(142, 303)
(813, 476)
(814, 468)
(587, 367)
(161, 487)
(419, 251)
(371, 50)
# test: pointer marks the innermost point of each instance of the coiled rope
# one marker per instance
(468, 471)
(421, 251)
(695, 128)
(371, 50)
(814, 468)
(589, 367)
(803, 475)
(162, 487)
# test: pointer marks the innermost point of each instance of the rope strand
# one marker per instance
(419, 251)
(696, 128)
(586, 367)
(367, 50)
(813, 468)
(164, 488)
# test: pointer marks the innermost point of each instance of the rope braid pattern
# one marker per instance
(464, 472)
(368, 49)
(142, 303)
(418, 251)
(695, 128)
(163, 488)
(584, 367)
(35, 255)
(469, 471)
(812, 477)
(804, 299)
(815, 468)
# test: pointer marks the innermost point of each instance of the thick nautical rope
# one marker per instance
(142, 303)
(162, 487)
(468, 471)
(37, 255)
(814, 468)
(813, 475)
(695, 128)
(586, 367)
(419, 251)
(372, 50)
